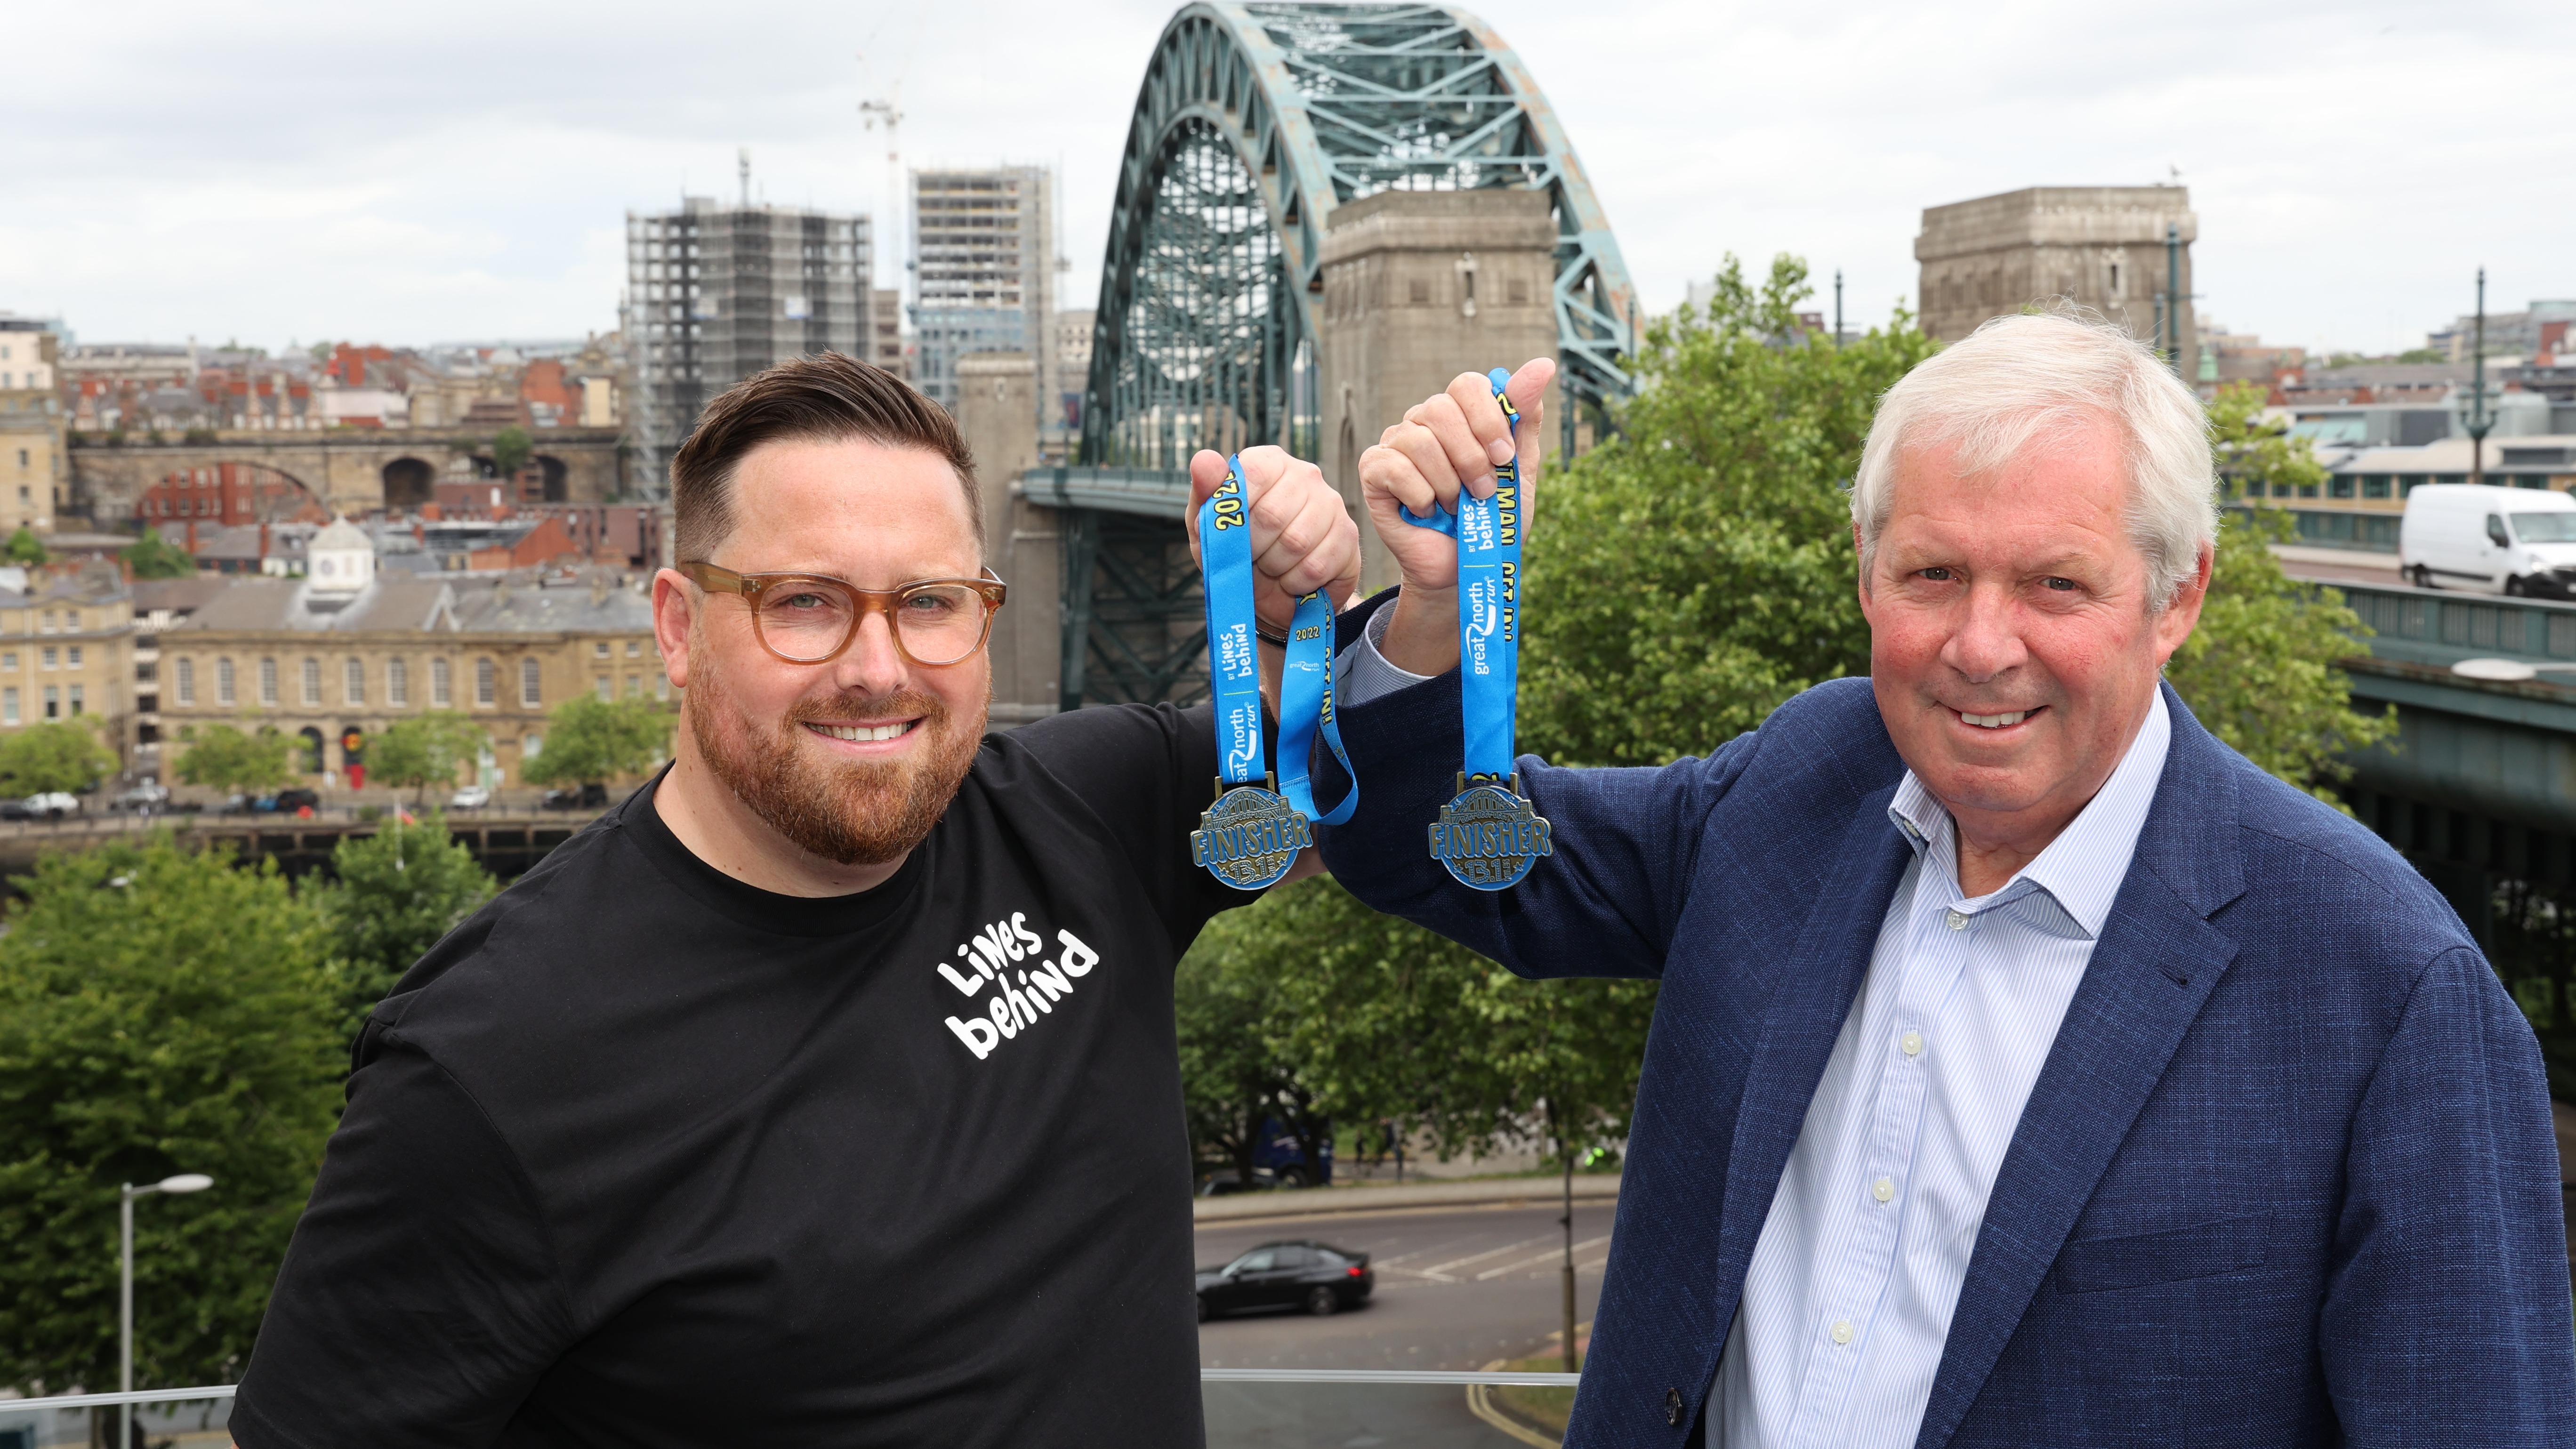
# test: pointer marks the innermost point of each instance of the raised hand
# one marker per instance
(1451, 440)
(1303, 538)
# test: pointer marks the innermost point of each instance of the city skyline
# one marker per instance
(346, 177)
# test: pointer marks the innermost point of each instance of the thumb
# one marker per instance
(1528, 392)
(1207, 470)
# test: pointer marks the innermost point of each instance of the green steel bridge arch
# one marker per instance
(1254, 122)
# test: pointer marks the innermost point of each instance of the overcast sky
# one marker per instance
(299, 171)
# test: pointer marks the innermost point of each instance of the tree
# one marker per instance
(160, 1012)
(1310, 999)
(511, 448)
(155, 557)
(2260, 670)
(1233, 1075)
(54, 755)
(427, 749)
(224, 758)
(1731, 458)
(24, 547)
(590, 740)
(391, 897)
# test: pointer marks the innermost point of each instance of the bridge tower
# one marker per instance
(1402, 152)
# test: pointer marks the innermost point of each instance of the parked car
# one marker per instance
(472, 797)
(586, 797)
(146, 796)
(288, 802)
(2518, 541)
(1316, 1277)
(52, 805)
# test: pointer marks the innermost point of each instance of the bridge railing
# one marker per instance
(1271, 1408)
(2432, 626)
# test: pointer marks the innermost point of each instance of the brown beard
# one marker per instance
(849, 813)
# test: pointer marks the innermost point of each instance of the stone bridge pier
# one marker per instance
(348, 470)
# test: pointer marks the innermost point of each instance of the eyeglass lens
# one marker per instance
(936, 623)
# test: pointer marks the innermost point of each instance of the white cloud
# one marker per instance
(327, 171)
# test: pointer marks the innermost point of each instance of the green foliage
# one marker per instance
(511, 448)
(1695, 571)
(200, 437)
(224, 758)
(24, 547)
(391, 896)
(2259, 672)
(1310, 999)
(160, 1012)
(155, 557)
(426, 749)
(592, 740)
(50, 755)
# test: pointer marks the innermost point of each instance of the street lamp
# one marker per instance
(126, 1194)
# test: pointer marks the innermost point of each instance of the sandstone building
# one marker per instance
(2102, 247)
(347, 651)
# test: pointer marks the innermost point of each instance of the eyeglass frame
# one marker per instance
(714, 578)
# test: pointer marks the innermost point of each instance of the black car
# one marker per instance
(290, 801)
(593, 796)
(1317, 1277)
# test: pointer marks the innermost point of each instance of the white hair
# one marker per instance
(2043, 377)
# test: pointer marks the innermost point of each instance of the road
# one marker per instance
(1457, 1288)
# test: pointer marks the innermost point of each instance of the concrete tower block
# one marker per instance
(997, 410)
(1420, 286)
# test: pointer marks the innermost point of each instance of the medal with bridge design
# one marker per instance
(1250, 837)
(1490, 836)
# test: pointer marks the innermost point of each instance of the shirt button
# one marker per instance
(1883, 1189)
(1958, 921)
(1911, 1043)
(1842, 1333)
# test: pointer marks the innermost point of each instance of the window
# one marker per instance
(599, 650)
(397, 683)
(187, 681)
(51, 655)
(634, 686)
(440, 694)
(661, 686)
(530, 746)
(1418, 292)
(634, 647)
(76, 699)
(71, 621)
(9, 661)
(313, 683)
(2374, 485)
(49, 621)
(2342, 484)
(224, 682)
(9, 705)
(53, 702)
(605, 690)
(74, 659)
(531, 691)
(268, 683)
(355, 681)
(487, 683)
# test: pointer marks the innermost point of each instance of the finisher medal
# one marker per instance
(1250, 837)
(1489, 837)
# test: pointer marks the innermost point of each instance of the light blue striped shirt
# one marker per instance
(1848, 1299)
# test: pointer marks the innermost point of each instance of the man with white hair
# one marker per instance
(2029, 1068)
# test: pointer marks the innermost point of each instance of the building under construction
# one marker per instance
(983, 246)
(715, 294)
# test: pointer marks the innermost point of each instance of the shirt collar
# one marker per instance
(2079, 873)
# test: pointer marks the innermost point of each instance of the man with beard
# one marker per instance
(824, 1092)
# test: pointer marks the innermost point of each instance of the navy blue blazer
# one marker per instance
(2287, 1177)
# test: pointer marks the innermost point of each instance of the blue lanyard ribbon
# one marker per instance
(1234, 663)
(1488, 531)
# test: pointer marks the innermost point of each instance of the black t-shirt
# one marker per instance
(641, 1155)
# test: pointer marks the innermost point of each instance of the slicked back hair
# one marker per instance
(824, 398)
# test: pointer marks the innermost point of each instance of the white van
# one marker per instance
(2519, 541)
